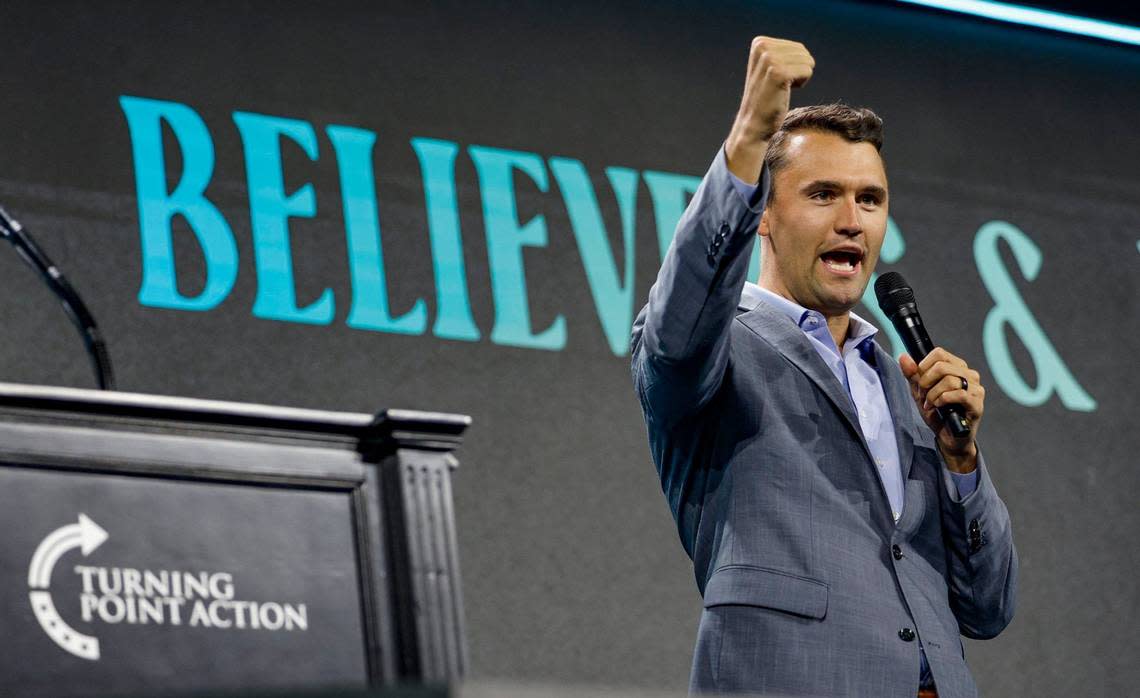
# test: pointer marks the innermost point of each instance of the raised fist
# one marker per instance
(775, 66)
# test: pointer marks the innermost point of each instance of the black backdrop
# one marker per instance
(572, 569)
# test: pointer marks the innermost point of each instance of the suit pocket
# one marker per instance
(743, 585)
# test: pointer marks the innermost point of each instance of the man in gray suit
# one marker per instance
(843, 540)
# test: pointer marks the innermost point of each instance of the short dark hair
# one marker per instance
(856, 124)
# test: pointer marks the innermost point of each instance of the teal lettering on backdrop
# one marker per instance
(370, 309)
(892, 251)
(157, 207)
(506, 238)
(613, 293)
(453, 318)
(611, 284)
(269, 211)
(1009, 309)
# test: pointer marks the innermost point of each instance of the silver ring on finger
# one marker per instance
(965, 385)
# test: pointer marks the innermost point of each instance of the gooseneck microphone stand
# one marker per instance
(14, 233)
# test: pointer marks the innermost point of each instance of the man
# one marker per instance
(841, 537)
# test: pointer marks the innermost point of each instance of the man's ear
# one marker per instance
(762, 229)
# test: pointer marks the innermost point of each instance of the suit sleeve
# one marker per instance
(679, 346)
(982, 557)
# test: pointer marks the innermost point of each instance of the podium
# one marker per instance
(154, 544)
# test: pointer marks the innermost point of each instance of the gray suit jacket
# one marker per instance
(809, 585)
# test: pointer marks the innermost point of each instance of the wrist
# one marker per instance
(744, 154)
(961, 462)
(749, 130)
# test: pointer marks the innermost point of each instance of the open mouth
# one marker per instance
(842, 261)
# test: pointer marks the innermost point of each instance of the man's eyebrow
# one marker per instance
(833, 185)
(821, 184)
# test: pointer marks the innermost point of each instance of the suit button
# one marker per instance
(897, 552)
(974, 528)
(724, 229)
(976, 542)
(906, 635)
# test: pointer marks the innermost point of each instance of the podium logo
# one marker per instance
(85, 535)
(132, 596)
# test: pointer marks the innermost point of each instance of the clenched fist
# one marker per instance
(775, 66)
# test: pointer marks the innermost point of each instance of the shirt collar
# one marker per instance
(858, 332)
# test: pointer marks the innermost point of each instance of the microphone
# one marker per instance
(896, 300)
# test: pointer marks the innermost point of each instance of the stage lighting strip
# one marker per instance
(1037, 18)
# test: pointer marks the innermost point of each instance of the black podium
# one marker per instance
(153, 545)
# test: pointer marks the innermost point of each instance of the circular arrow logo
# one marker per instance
(85, 535)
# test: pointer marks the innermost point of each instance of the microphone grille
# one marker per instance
(893, 292)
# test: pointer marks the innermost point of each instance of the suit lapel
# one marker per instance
(901, 404)
(790, 341)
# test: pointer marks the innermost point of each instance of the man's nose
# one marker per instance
(848, 219)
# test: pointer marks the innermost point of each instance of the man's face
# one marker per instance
(826, 222)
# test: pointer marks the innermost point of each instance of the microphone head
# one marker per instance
(893, 292)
